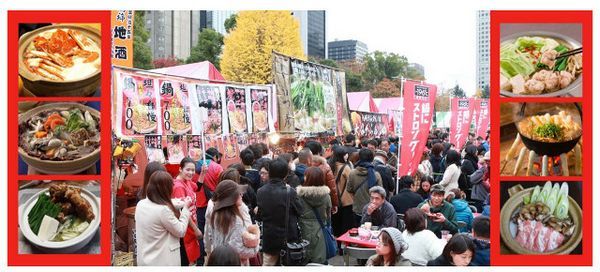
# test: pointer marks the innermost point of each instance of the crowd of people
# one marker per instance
(246, 213)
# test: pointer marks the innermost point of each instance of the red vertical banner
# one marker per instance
(460, 120)
(483, 117)
(418, 112)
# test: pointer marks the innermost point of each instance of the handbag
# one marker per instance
(330, 242)
(293, 253)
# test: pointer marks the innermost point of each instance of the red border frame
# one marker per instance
(579, 17)
(14, 18)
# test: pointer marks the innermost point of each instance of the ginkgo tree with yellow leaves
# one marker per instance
(247, 48)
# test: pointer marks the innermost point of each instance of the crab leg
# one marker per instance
(33, 64)
(46, 74)
(51, 70)
(80, 39)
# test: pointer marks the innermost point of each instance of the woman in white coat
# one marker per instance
(159, 224)
(452, 174)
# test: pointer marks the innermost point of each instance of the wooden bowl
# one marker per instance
(40, 86)
(59, 167)
(513, 205)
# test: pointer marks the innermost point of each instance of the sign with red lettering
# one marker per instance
(460, 120)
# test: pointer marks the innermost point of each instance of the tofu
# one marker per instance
(48, 228)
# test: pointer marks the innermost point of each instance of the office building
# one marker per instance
(346, 50)
(313, 32)
(483, 49)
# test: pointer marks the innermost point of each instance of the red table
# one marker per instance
(348, 240)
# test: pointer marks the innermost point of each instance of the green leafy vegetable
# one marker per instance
(76, 121)
(549, 130)
(71, 228)
(514, 62)
(43, 206)
(530, 43)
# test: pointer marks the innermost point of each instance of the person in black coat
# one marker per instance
(458, 251)
(406, 197)
(387, 179)
(470, 161)
(271, 200)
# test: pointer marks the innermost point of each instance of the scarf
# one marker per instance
(371, 180)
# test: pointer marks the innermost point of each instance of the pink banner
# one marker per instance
(460, 120)
(483, 119)
(418, 111)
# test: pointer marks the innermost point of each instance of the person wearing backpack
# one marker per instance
(360, 180)
(437, 162)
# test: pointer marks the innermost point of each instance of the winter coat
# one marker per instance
(447, 210)
(479, 188)
(482, 253)
(158, 232)
(384, 216)
(436, 164)
(213, 237)
(329, 178)
(314, 197)
(254, 177)
(345, 197)
(470, 164)
(386, 177)
(271, 200)
(450, 178)
(463, 213)
(404, 200)
(300, 169)
(357, 185)
(292, 179)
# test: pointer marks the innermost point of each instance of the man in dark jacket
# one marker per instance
(271, 200)
(379, 212)
(481, 239)
(247, 157)
(406, 197)
(387, 178)
(440, 213)
(304, 161)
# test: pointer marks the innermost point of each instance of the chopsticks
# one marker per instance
(571, 52)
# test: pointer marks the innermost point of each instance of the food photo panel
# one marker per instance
(59, 217)
(541, 139)
(58, 60)
(541, 218)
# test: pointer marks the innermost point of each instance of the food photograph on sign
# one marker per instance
(60, 138)
(541, 218)
(541, 139)
(543, 60)
(59, 60)
(59, 217)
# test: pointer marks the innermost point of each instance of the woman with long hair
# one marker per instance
(249, 197)
(458, 252)
(223, 256)
(159, 224)
(228, 222)
(452, 174)
(425, 186)
(314, 196)
(184, 188)
(150, 169)
(389, 249)
(343, 220)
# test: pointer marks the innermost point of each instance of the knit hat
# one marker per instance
(399, 244)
